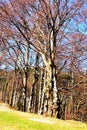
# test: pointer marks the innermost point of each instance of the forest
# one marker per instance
(43, 57)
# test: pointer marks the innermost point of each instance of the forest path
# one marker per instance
(34, 117)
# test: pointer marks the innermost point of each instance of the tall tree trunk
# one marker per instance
(25, 90)
(12, 92)
(25, 77)
(41, 91)
(31, 100)
(34, 95)
(72, 96)
(4, 91)
(50, 88)
(15, 100)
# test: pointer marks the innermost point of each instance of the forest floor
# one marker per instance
(11, 119)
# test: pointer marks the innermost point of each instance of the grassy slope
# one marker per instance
(21, 121)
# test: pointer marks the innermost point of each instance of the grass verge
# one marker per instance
(22, 121)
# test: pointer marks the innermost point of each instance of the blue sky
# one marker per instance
(83, 28)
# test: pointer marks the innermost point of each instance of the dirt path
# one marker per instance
(43, 120)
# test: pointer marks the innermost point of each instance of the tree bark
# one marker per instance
(12, 92)
(25, 77)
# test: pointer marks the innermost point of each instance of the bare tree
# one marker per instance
(46, 27)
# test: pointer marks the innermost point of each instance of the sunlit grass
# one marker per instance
(22, 121)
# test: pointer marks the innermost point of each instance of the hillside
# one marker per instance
(15, 120)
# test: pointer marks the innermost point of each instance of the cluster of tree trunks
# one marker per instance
(69, 103)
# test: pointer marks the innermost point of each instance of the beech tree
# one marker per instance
(45, 26)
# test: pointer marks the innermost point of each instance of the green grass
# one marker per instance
(21, 121)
